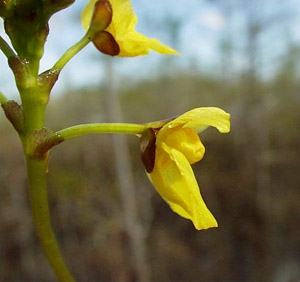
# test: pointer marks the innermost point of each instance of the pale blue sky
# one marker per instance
(202, 25)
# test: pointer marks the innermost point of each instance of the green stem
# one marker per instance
(40, 209)
(34, 113)
(8, 52)
(120, 128)
(3, 99)
(71, 52)
(34, 101)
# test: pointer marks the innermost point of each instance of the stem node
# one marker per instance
(41, 141)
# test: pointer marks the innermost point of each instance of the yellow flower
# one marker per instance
(177, 147)
(122, 28)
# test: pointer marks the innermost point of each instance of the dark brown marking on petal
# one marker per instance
(148, 146)
(102, 15)
(106, 43)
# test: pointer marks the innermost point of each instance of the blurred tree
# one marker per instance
(137, 253)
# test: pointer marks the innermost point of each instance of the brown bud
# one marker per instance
(106, 43)
(48, 78)
(148, 147)
(14, 114)
(102, 16)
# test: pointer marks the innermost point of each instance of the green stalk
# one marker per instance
(119, 128)
(38, 197)
(8, 52)
(34, 113)
(71, 52)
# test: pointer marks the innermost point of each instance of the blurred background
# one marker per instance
(242, 56)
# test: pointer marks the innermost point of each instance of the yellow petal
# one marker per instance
(160, 48)
(174, 180)
(187, 141)
(199, 119)
(124, 18)
(136, 44)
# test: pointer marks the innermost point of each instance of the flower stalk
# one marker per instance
(113, 128)
(71, 52)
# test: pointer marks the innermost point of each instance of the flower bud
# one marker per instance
(27, 28)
